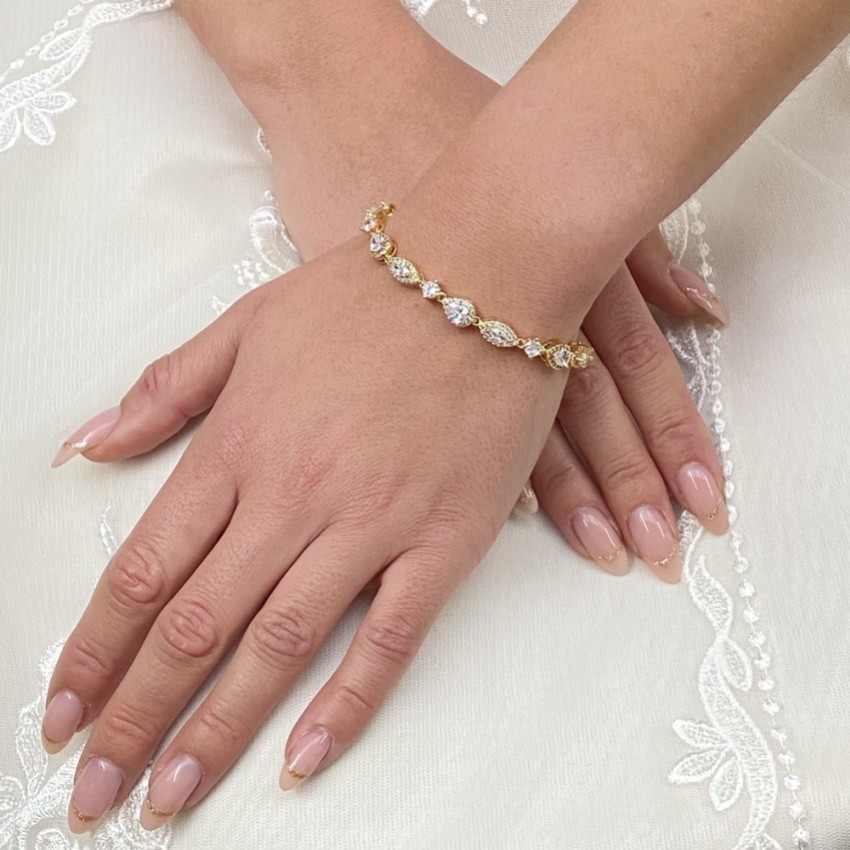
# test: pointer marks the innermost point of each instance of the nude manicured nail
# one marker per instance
(698, 292)
(61, 719)
(656, 544)
(168, 793)
(701, 496)
(94, 793)
(87, 435)
(306, 755)
(600, 539)
(527, 501)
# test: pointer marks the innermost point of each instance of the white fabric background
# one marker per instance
(540, 711)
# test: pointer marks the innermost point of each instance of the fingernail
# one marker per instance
(168, 793)
(701, 496)
(61, 719)
(698, 292)
(527, 501)
(655, 542)
(601, 540)
(307, 754)
(88, 435)
(94, 793)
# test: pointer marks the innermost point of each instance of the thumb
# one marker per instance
(169, 392)
(669, 286)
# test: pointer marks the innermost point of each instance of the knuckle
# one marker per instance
(87, 659)
(679, 436)
(392, 639)
(159, 376)
(135, 576)
(233, 446)
(586, 392)
(558, 477)
(639, 349)
(219, 730)
(283, 637)
(353, 700)
(626, 473)
(188, 630)
(122, 724)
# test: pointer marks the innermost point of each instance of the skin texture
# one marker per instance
(302, 513)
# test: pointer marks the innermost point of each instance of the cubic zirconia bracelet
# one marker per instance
(462, 312)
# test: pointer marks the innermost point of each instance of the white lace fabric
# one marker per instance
(553, 705)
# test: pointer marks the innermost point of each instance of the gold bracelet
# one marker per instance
(460, 311)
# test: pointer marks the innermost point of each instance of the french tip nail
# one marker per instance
(52, 747)
(94, 793)
(288, 781)
(306, 755)
(168, 793)
(698, 292)
(527, 502)
(61, 719)
(87, 436)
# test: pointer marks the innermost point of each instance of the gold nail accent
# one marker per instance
(158, 812)
(51, 740)
(609, 558)
(665, 562)
(293, 772)
(713, 514)
(80, 816)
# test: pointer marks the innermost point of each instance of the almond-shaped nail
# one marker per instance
(527, 502)
(701, 496)
(601, 540)
(305, 756)
(94, 793)
(168, 793)
(696, 290)
(655, 542)
(61, 719)
(87, 435)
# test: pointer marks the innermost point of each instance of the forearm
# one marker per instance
(621, 114)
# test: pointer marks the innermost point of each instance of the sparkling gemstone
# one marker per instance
(430, 289)
(379, 244)
(559, 357)
(498, 333)
(533, 348)
(404, 271)
(370, 223)
(459, 311)
(581, 357)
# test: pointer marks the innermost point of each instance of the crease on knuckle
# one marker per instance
(159, 376)
(219, 730)
(122, 725)
(679, 436)
(135, 575)
(188, 631)
(558, 478)
(638, 351)
(353, 700)
(233, 446)
(283, 638)
(87, 659)
(586, 393)
(627, 474)
(390, 639)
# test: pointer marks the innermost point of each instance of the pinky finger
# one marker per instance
(382, 650)
(573, 502)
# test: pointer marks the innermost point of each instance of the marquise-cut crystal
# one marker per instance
(533, 348)
(431, 289)
(498, 333)
(404, 271)
(559, 357)
(459, 311)
(379, 244)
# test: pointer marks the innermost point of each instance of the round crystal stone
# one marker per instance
(559, 357)
(430, 289)
(533, 348)
(581, 358)
(379, 244)
(404, 271)
(459, 311)
(498, 333)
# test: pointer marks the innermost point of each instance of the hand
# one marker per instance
(630, 415)
(279, 513)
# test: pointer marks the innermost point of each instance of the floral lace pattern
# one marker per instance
(732, 751)
(28, 104)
